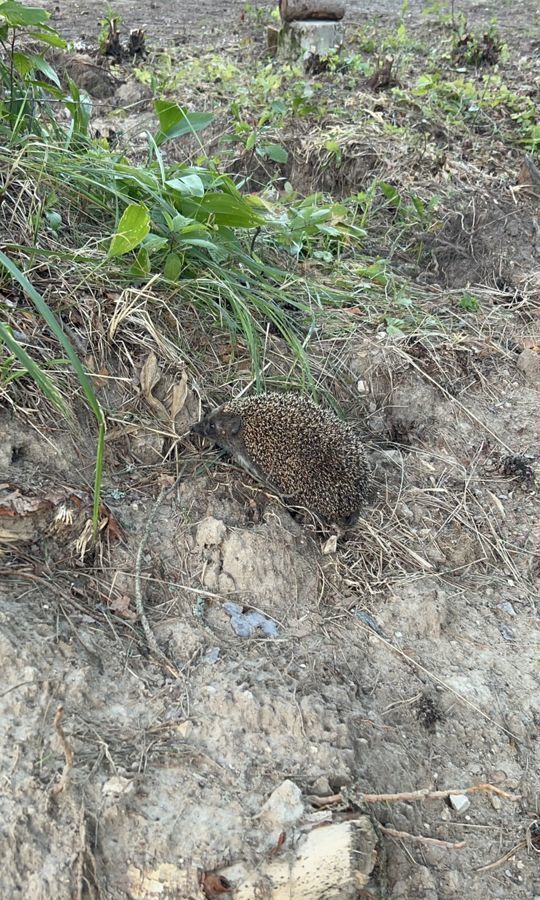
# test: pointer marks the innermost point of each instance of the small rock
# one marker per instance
(212, 655)
(459, 802)
(507, 608)
(284, 807)
(116, 786)
(245, 623)
(210, 532)
(529, 363)
(495, 801)
(321, 787)
(329, 546)
(506, 632)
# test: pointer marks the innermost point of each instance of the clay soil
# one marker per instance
(400, 655)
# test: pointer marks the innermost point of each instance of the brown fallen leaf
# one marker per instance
(279, 844)
(15, 504)
(529, 177)
(121, 606)
(150, 378)
(214, 885)
(114, 529)
(530, 344)
(178, 397)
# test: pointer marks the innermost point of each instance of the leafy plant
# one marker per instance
(28, 83)
(30, 89)
(469, 303)
(41, 377)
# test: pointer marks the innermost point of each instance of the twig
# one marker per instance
(411, 796)
(420, 839)
(68, 754)
(426, 794)
(502, 859)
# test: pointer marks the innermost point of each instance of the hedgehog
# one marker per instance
(306, 453)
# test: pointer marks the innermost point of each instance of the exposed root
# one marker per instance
(61, 785)
(420, 839)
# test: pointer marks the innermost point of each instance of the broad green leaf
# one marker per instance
(329, 229)
(50, 88)
(175, 121)
(133, 227)
(389, 192)
(251, 141)
(180, 223)
(273, 151)
(199, 242)
(17, 14)
(43, 66)
(152, 243)
(190, 185)
(173, 267)
(48, 36)
(227, 209)
(30, 62)
(141, 266)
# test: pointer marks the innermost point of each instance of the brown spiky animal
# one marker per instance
(306, 453)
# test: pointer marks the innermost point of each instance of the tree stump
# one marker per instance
(298, 40)
(302, 10)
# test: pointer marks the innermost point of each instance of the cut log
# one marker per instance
(299, 39)
(300, 10)
(332, 861)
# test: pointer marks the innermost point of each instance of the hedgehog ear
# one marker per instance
(235, 424)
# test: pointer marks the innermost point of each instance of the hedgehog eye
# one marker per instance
(211, 428)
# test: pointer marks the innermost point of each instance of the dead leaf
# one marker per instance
(214, 885)
(529, 177)
(330, 546)
(99, 378)
(114, 529)
(279, 844)
(530, 344)
(17, 505)
(178, 398)
(121, 606)
(150, 377)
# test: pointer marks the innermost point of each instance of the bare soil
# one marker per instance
(168, 22)
(403, 653)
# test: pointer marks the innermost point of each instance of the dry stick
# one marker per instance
(426, 794)
(153, 645)
(502, 859)
(68, 754)
(411, 796)
(420, 839)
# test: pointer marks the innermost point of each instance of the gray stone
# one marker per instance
(529, 363)
(459, 802)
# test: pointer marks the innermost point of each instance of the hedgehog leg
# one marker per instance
(352, 519)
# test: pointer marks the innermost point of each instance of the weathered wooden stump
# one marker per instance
(302, 10)
(310, 28)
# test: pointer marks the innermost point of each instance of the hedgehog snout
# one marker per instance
(198, 428)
